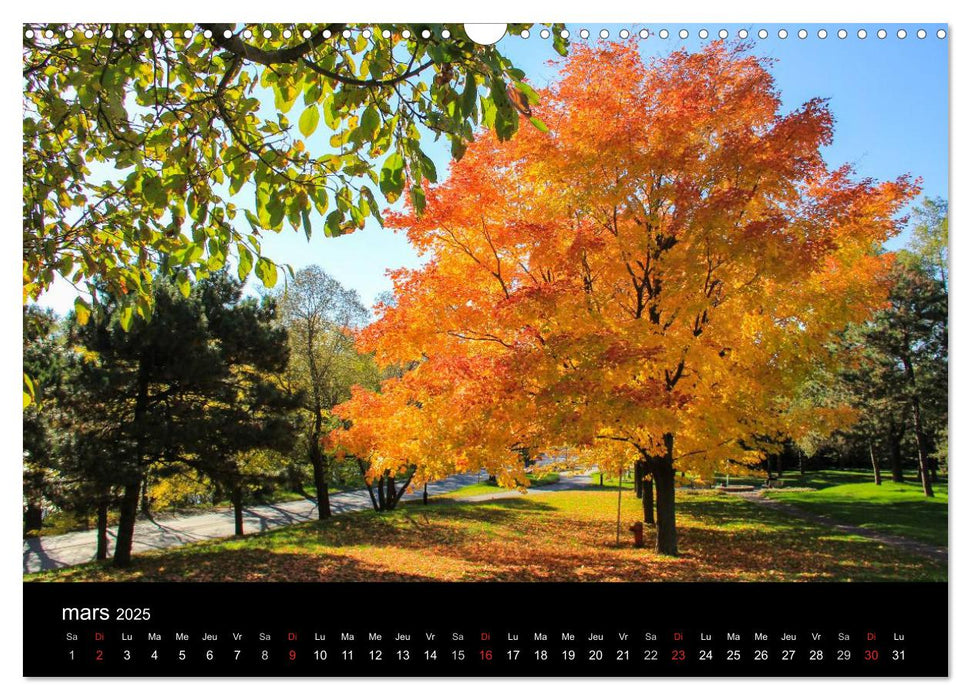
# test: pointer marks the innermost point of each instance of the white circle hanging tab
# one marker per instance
(485, 34)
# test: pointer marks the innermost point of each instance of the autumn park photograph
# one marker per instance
(401, 303)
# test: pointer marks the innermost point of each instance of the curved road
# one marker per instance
(57, 551)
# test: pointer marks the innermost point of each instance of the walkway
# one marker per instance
(57, 551)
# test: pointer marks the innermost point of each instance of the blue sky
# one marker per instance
(889, 97)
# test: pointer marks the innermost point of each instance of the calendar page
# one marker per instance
(542, 350)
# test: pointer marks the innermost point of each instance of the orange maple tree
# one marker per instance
(651, 280)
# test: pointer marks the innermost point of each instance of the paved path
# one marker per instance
(572, 482)
(55, 552)
(922, 549)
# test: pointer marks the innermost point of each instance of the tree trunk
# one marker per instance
(396, 495)
(237, 498)
(802, 464)
(370, 489)
(876, 465)
(896, 461)
(644, 489)
(320, 486)
(33, 517)
(424, 495)
(663, 471)
(922, 457)
(128, 511)
(101, 554)
(922, 451)
(146, 505)
(647, 501)
(126, 522)
(620, 491)
(381, 494)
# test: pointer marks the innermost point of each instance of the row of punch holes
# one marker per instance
(525, 34)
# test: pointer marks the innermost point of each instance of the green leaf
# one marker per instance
(245, 263)
(30, 393)
(538, 123)
(332, 113)
(428, 167)
(266, 271)
(507, 122)
(529, 92)
(305, 217)
(182, 281)
(393, 177)
(125, 318)
(468, 96)
(332, 224)
(418, 199)
(82, 309)
(370, 122)
(309, 120)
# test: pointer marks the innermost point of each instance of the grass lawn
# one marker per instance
(896, 509)
(546, 536)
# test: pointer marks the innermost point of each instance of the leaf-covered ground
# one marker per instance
(556, 536)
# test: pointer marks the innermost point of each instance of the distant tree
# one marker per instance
(321, 317)
(899, 376)
(928, 246)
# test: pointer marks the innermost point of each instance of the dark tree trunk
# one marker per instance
(128, 510)
(644, 489)
(424, 495)
(126, 522)
(146, 505)
(381, 494)
(876, 465)
(663, 471)
(922, 456)
(647, 501)
(33, 517)
(237, 498)
(802, 463)
(101, 554)
(396, 495)
(896, 461)
(922, 451)
(321, 487)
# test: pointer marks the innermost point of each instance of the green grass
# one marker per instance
(850, 496)
(488, 487)
(896, 509)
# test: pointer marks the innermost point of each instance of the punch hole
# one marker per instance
(486, 34)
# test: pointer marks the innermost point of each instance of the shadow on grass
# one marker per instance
(923, 521)
(563, 537)
(253, 564)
